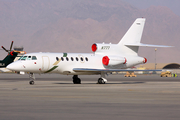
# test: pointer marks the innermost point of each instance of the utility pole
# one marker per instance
(155, 58)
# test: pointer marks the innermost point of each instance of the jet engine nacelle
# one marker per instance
(102, 47)
(113, 60)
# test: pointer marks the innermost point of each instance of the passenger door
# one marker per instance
(45, 63)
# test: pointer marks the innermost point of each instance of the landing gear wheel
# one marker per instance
(31, 78)
(31, 82)
(101, 81)
(76, 80)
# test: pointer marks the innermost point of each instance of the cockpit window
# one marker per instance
(20, 57)
(29, 58)
(24, 58)
(34, 58)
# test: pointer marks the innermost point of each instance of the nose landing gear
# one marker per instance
(31, 78)
(31, 82)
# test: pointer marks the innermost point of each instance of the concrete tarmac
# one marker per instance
(146, 97)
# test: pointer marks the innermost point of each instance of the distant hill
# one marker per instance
(74, 25)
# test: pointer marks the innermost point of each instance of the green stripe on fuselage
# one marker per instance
(64, 54)
(51, 69)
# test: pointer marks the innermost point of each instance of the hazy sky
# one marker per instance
(174, 5)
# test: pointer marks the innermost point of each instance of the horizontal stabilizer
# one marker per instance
(107, 70)
(146, 45)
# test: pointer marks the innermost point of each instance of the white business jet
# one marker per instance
(106, 58)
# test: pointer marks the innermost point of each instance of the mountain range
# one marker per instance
(74, 25)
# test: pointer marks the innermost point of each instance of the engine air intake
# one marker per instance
(94, 47)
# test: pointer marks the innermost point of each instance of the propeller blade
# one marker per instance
(11, 45)
(5, 49)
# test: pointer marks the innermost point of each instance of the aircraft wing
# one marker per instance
(108, 70)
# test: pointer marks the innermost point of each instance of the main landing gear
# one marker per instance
(76, 80)
(102, 79)
(31, 78)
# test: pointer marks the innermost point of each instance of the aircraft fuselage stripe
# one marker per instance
(51, 69)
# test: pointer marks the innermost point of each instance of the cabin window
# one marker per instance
(62, 58)
(67, 58)
(72, 59)
(77, 59)
(57, 58)
(34, 58)
(24, 58)
(82, 59)
(86, 59)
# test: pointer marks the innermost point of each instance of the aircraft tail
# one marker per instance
(129, 42)
(134, 34)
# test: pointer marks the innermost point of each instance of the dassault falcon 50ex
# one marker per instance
(106, 58)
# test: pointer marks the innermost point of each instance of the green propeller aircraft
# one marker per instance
(9, 58)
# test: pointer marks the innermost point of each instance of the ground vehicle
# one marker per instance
(130, 74)
(166, 74)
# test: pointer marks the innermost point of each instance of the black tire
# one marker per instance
(77, 81)
(101, 81)
(31, 82)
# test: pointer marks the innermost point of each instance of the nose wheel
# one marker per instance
(31, 82)
(31, 78)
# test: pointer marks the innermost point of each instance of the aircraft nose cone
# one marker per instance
(12, 66)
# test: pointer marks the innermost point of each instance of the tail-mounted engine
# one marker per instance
(112, 60)
(118, 60)
(112, 51)
(102, 47)
(145, 60)
(94, 47)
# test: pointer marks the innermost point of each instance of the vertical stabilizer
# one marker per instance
(133, 36)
